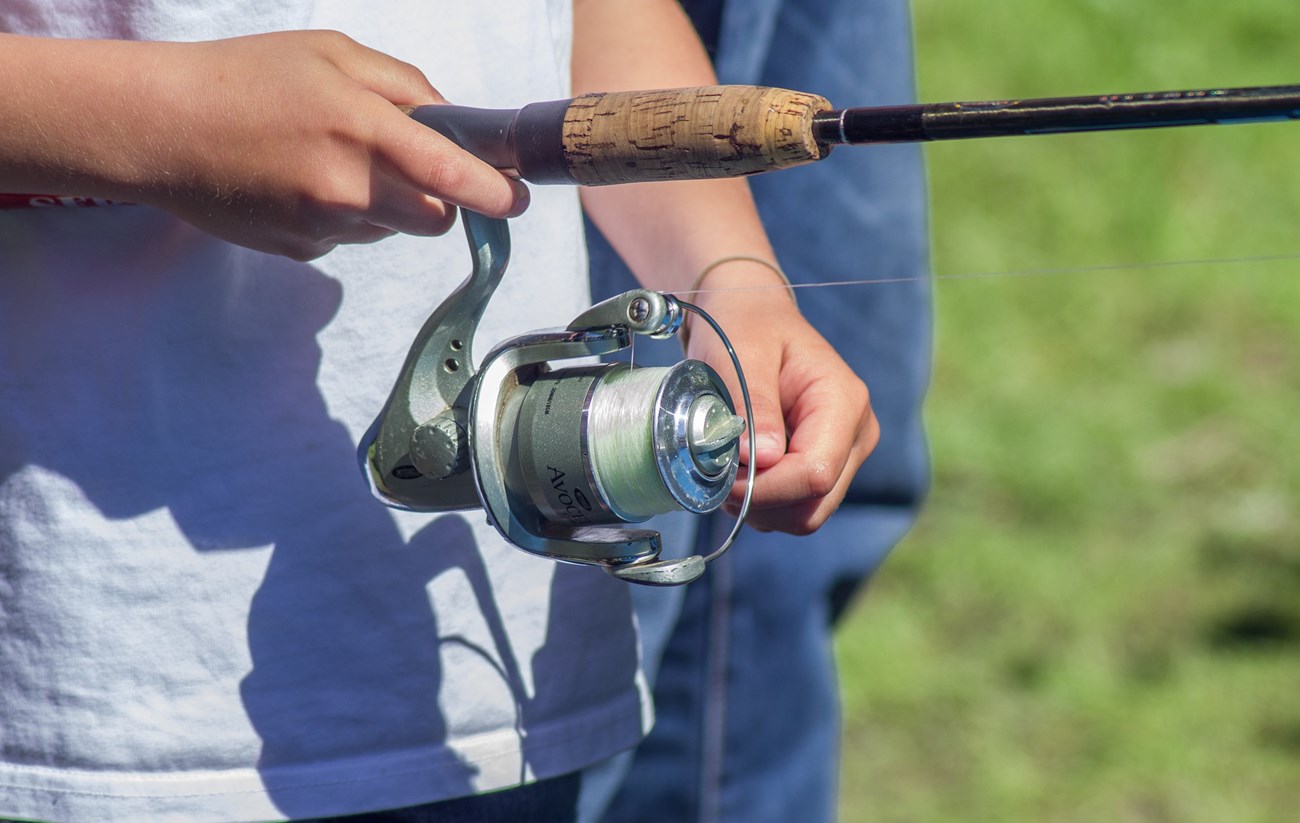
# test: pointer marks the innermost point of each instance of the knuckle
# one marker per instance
(447, 175)
(410, 75)
(801, 528)
(815, 519)
(858, 393)
(819, 518)
(871, 437)
(331, 40)
(354, 132)
(303, 250)
(336, 195)
(821, 480)
(440, 222)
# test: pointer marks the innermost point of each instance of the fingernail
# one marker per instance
(521, 203)
(769, 446)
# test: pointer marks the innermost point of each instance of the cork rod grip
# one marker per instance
(685, 134)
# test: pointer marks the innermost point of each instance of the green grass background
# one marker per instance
(1098, 616)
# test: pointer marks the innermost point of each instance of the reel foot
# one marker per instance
(660, 572)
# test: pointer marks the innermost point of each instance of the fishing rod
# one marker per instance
(565, 458)
(731, 131)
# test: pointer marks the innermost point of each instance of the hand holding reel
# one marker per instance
(557, 456)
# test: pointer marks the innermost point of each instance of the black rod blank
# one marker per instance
(1055, 115)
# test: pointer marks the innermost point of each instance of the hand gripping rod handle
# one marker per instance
(640, 136)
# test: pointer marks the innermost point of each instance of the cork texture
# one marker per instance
(683, 134)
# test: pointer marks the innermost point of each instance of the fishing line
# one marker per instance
(1045, 272)
(620, 436)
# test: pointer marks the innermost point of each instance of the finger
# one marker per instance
(794, 479)
(367, 232)
(827, 433)
(304, 250)
(769, 431)
(399, 207)
(800, 518)
(805, 517)
(831, 413)
(433, 165)
(414, 153)
(395, 80)
(764, 394)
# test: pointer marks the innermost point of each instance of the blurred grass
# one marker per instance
(1098, 617)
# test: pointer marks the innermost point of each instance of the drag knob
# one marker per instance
(713, 436)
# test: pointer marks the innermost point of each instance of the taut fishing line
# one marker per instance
(1045, 272)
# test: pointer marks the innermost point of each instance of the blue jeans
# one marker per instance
(745, 685)
(546, 801)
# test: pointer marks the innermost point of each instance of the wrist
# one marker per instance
(736, 279)
(740, 271)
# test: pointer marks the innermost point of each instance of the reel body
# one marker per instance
(562, 458)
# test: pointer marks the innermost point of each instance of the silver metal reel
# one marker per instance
(524, 440)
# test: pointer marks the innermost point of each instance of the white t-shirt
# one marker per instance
(204, 615)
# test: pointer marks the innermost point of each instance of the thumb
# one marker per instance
(768, 423)
(762, 367)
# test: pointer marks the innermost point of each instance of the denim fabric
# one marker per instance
(746, 692)
(546, 801)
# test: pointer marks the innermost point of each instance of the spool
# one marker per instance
(609, 444)
(620, 435)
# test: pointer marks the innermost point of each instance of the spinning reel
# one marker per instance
(561, 458)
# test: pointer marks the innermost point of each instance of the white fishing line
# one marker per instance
(621, 438)
(1046, 272)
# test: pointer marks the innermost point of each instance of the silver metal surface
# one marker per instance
(642, 311)
(440, 447)
(694, 488)
(713, 435)
(435, 378)
(517, 520)
(672, 573)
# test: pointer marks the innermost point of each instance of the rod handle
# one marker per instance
(640, 136)
(686, 134)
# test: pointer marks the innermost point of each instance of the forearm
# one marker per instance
(666, 232)
(288, 142)
(70, 114)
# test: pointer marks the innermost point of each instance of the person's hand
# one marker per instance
(813, 418)
(289, 142)
(292, 143)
